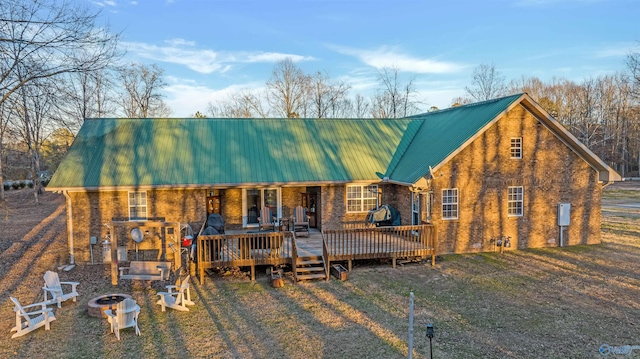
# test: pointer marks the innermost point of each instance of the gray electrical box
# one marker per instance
(564, 214)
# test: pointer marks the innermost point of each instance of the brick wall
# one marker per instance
(549, 172)
(91, 210)
(334, 214)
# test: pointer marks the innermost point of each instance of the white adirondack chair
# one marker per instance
(125, 316)
(53, 286)
(179, 299)
(27, 322)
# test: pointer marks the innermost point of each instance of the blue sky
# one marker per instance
(211, 48)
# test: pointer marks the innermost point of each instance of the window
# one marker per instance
(362, 198)
(254, 199)
(138, 206)
(450, 203)
(515, 197)
(516, 147)
(415, 208)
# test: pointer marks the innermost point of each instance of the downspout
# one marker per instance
(69, 227)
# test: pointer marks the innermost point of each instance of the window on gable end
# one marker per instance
(516, 147)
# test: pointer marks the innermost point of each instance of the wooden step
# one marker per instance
(310, 276)
(309, 262)
(309, 269)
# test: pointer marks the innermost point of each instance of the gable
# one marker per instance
(441, 135)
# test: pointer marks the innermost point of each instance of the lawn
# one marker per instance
(551, 303)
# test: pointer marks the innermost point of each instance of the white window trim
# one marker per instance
(512, 147)
(245, 209)
(456, 203)
(415, 208)
(519, 190)
(146, 206)
(364, 189)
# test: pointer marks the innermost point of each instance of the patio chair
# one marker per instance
(179, 299)
(300, 220)
(53, 286)
(125, 316)
(266, 219)
(28, 321)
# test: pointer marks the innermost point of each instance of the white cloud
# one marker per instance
(105, 3)
(618, 50)
(185, 97)
(184, 52)
(392, 57)
(180, 42)
(274, 57)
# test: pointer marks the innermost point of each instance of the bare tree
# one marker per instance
(486, 83)
(141, 96)
(395, 98)
(361, 107)
(86, 95)
(6, 112)
(33, 123)
(242, 104)
(41, 39)
(633, 65)
(326, 96)
(288, 90)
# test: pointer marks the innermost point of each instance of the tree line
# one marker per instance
(59, 65)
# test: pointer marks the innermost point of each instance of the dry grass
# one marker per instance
(553, 303)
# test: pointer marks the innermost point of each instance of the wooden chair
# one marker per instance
(125, 316)
(266, 219)
(300, 220)
(27, 322)
(179, 299)
(53, 286)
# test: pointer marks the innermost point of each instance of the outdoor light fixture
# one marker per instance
(430, 335)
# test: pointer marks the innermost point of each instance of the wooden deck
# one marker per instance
(275, 248)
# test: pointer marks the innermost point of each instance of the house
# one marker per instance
(476, 172)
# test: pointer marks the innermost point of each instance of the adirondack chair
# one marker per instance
(27, 322)
(300, 220)
(53, 285)
(266, 219)
(179, 299)
(125, 316)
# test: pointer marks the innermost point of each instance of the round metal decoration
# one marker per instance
(137, 235)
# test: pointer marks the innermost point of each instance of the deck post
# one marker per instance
(350, 266)
(253, 272)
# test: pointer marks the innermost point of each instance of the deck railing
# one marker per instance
(380, 242)
(246, 249)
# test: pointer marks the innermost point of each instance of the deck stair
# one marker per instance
(310, 267)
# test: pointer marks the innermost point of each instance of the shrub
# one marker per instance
(30, 184)
(44, 182)
(15, 185)
(22, 184)
(6, 186)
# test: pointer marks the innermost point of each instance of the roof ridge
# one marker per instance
(469, 105)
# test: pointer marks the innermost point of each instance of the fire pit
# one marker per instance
(98, 305)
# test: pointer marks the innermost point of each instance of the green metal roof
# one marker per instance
(440, 135)
(112, 153)
(227, 152)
